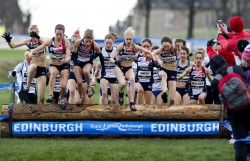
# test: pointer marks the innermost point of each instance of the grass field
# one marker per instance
(104, 149)
(9, 59)
(115, 150)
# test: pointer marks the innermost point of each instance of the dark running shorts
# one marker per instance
(111, 80)
(172, 75)
(182, 91)
(40, 71)
(61, 67)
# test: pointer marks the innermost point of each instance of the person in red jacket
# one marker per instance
(214, 48)
(236, 25)
(228, 56)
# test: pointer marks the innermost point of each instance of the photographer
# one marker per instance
(214, 48)
(230, 45)
(20, 72)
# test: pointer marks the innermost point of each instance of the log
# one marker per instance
(115, 112)
(49, 112)
(5, 128)
(5, 110)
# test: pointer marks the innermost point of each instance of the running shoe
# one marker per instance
(62, 104)
(26, 90)
(109, 100)
(90, 91)
(50, 99)
(120, 99)
(164, 97)
(132, 106)
(79, 102)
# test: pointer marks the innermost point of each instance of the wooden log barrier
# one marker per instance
(48, 112)
(5, 127)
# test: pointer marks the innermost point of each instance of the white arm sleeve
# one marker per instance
(19, 67)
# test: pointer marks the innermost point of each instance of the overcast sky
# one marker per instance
(93, 14)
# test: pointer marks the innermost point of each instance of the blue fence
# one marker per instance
(5, 86)
(10, 86)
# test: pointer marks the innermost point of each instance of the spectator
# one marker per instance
(229, 57)
(246, 62)
(237, 26)
(214, 48)
(241, 45)
(239, 120)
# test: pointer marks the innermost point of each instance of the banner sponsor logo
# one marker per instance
(115, 128)
(122, 127)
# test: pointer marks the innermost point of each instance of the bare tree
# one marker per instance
(145, 6)
(12, 17)
(192, 4)
(191, 18)
(147, 17)
(225, 9)
(26, 23)
(28, 7)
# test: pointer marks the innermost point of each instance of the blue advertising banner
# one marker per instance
(114, 128)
